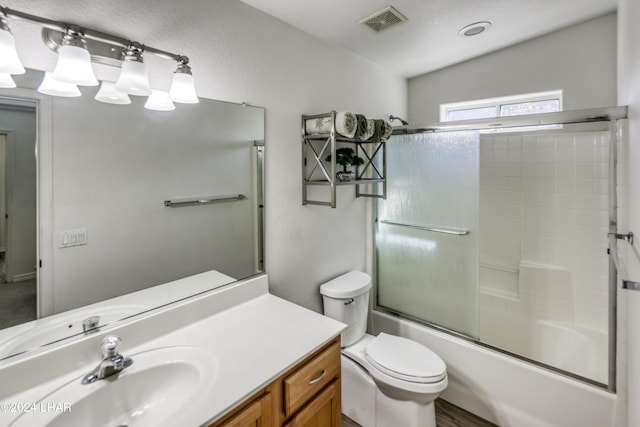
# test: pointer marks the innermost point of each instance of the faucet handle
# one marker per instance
(90, 324)
(109, 345)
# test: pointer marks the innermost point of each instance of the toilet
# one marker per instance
(387, 381)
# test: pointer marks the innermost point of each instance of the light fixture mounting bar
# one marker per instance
(89, 33)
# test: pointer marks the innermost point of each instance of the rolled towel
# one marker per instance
(346, 124)
(367, 133)
(361, 126)
(382, 131)
(388, 130)
(378, 130)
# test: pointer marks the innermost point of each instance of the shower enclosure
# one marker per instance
(498, 233)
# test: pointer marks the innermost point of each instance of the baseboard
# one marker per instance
(24, 277)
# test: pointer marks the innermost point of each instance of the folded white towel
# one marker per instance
(346, 124)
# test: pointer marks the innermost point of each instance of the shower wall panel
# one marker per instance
(543, 247)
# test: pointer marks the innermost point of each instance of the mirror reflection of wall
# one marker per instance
(112, 168)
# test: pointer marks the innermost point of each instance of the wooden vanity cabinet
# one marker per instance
(308, 395)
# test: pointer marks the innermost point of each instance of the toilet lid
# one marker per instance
(405, 359)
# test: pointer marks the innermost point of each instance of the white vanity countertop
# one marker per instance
(253, 343)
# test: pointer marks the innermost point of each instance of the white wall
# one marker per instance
(240, 54)
(629, 94)
(580, 60)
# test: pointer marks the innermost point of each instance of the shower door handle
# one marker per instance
(445, 230)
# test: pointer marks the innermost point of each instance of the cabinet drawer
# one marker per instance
(312, 377)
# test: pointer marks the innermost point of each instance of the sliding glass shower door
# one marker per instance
(503, 237)
(426, 237)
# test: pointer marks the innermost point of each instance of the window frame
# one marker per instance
(498, 102)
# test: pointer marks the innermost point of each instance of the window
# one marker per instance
(530, 103)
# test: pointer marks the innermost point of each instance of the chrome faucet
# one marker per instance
(112, 362)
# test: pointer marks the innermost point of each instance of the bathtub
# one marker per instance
(570, 347)
(508, 391)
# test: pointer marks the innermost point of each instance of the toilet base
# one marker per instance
(366, 404)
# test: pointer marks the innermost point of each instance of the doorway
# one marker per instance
(18, 204)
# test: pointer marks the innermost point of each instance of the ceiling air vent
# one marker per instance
(383, 19)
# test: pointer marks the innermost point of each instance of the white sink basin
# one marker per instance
(161, 388)
(51, 329)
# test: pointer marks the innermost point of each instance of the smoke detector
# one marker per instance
(384, 19)
(474, 29)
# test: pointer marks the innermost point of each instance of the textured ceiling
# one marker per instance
(430, 40)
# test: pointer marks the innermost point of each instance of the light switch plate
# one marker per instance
(69, 238)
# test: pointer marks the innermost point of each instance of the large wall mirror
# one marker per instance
(119, 205)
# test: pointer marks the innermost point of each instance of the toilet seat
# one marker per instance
(405, 359)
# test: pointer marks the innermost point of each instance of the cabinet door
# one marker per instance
(257, 414)
(323, 411)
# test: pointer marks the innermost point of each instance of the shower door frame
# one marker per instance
(613, 115)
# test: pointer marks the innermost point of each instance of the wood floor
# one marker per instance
(447, 415)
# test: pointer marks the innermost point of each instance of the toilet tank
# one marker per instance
(346, 299)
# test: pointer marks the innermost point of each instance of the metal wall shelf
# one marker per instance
(316, 171)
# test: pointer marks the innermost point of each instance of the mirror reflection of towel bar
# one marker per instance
(203, 201)
(621, 271)
(445, 230)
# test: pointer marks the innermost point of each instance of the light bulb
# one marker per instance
(6, 81)
(110, 95)
(74, 66)
(133, 77)
(183, 86)
(51, 86)
(9, 61)
(159, 101)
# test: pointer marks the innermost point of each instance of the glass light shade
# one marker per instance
(159, 101)
(51, 86)
(133, 78)
(74, 66)
(109, 94)
(9, 61)
(183, 89)
(6, 81)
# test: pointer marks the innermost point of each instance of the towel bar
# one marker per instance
(631, 285)
(203, 201)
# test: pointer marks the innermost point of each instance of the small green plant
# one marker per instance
(346, 157)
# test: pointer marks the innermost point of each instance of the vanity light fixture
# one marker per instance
(78, 48)
(110, 95)
(6, 81)
(9, 61)
(54, 87)
(133, 76)
(159, 100)
(183, 87)
(74, 61)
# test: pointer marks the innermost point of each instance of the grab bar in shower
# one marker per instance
(620, 269)
(203, 201)
(445, 230)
